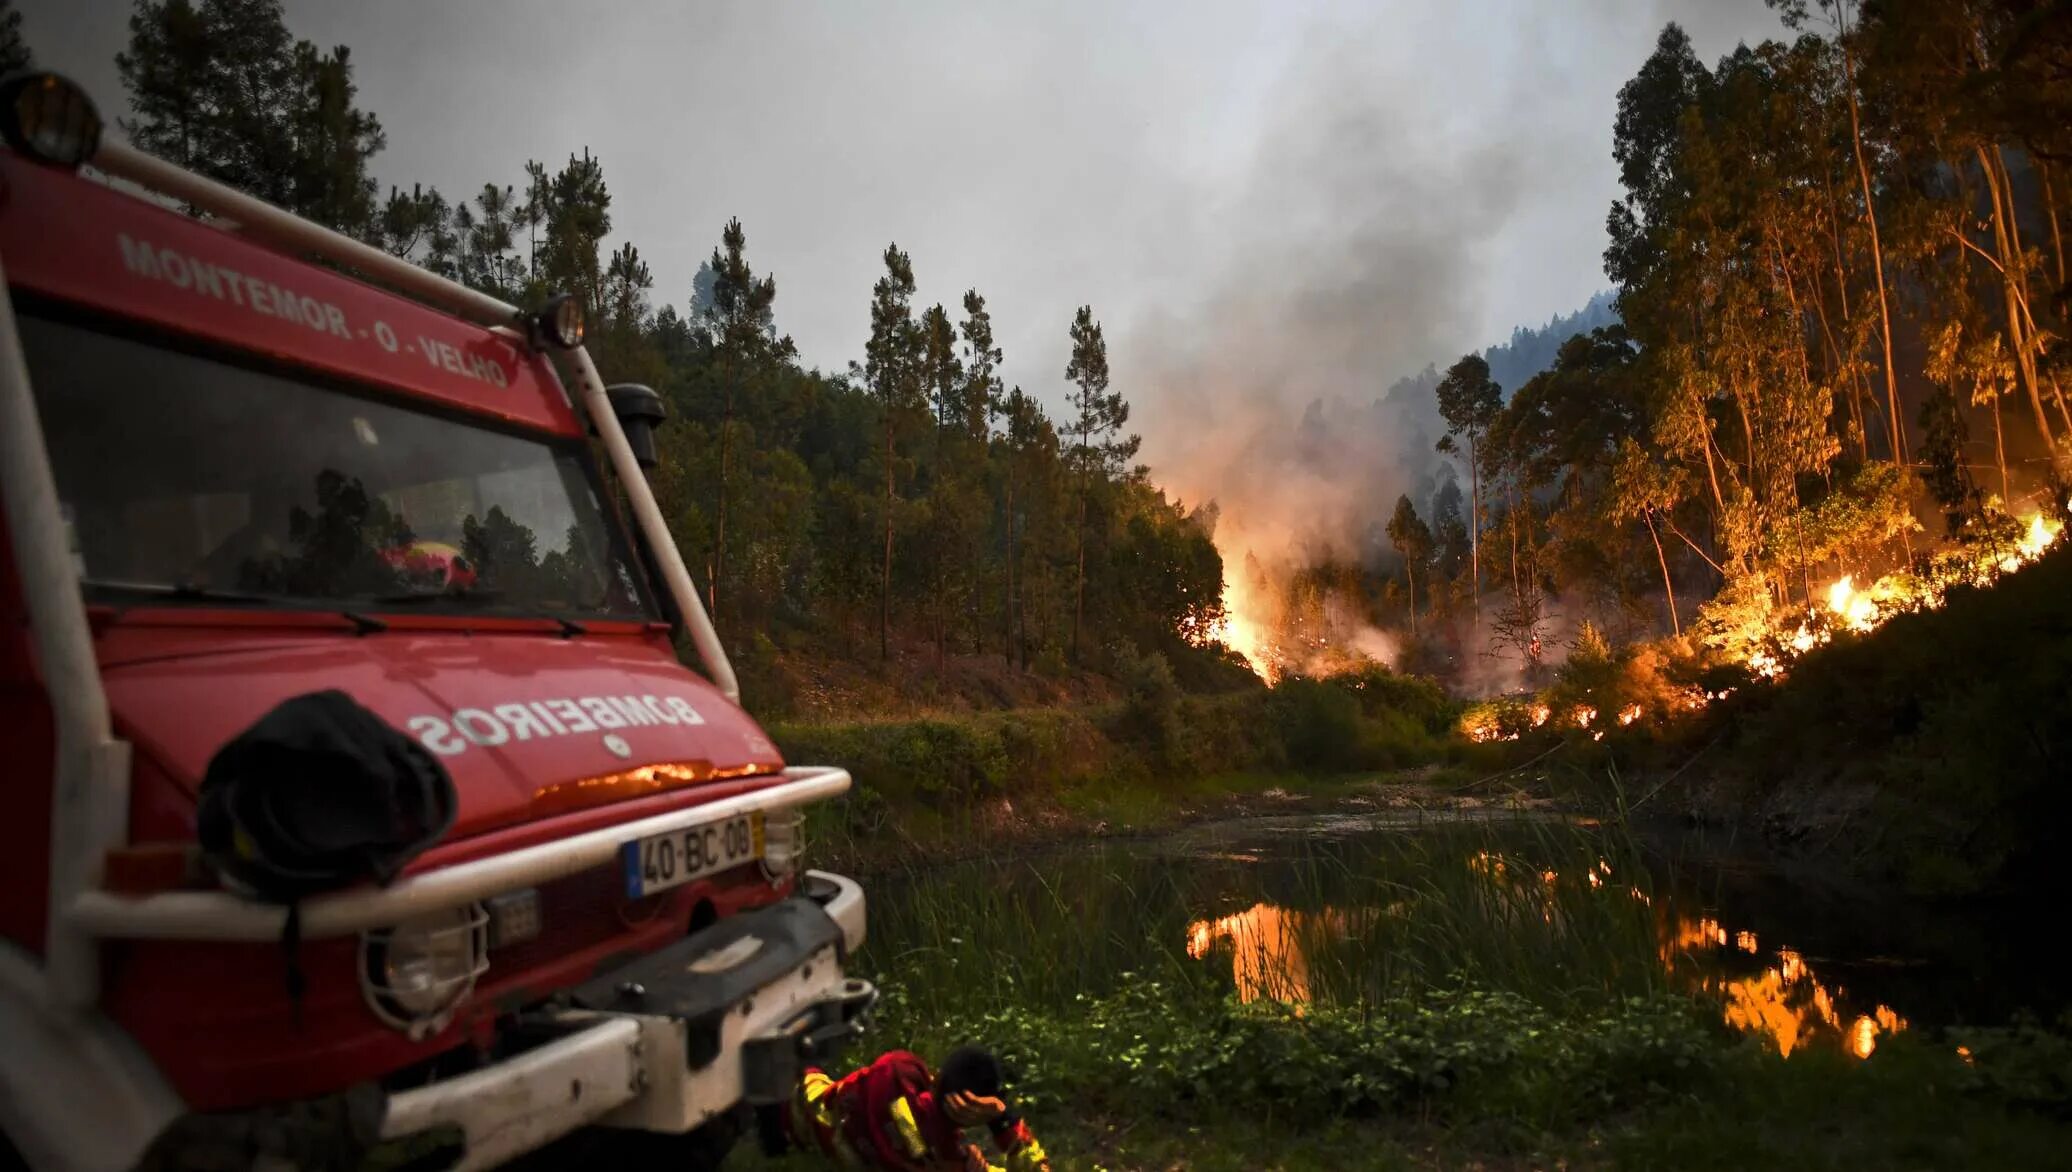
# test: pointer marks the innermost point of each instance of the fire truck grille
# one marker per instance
(582, 910)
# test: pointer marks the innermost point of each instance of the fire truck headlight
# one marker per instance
(417, 973)
(559, 322)
(47, 117)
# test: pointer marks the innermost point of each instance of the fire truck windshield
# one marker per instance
(197, 480)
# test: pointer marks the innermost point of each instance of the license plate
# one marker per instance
(662, 861)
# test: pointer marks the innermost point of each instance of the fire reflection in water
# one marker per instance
(1785, 1003)
(1266, 956)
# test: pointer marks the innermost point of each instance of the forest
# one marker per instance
(910, 504)
(1841, 297)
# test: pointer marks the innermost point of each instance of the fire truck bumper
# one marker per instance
(667, 1043)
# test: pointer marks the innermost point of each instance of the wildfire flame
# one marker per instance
(1849, 608)
(1241, 630)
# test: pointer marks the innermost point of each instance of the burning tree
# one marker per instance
(1413, 539)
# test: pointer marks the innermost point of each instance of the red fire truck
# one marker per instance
(234, 474)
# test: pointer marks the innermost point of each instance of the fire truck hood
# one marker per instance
(527, 726)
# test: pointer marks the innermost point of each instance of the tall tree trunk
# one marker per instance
(1410, 573)
(719, 537)
(2050, 205)
(1079, 584)
(2010, 273)
(1517, 588)
(1475, 527)
(1870, 215)
(1008, 644)
(1719, 499)
(2021, 252)
(885, 581)
(2000, 451)
(1834, 368)
(1668, 587)
(1856, 388)
(1798, 314)
(940, 571)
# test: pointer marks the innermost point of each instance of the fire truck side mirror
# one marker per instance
(640, 411)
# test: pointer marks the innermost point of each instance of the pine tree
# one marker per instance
(576, 219)
(740, 319)
(220, 87)
(418, 227)
(942, 380)
(892, 372)
(490, 239)
(1101, 449)
(623, 320)
(1029, 444)
(980, 397)
(14, 52)
(977, 402)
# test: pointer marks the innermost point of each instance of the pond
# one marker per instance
(1357, 908)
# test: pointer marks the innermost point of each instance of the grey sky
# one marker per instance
(1418, 177)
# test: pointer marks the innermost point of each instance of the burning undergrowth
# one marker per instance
(1746, 637)
(1307, 621)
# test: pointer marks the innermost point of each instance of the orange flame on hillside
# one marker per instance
(1848, 608)
(1242, 630)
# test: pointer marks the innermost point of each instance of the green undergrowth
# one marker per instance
(1471, 995)
(1156, 755)
(1145, 1079)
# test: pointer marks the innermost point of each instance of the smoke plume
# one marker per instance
(1358, 258)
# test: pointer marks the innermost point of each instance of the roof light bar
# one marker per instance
(48, 118)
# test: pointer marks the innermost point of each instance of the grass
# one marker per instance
(931, 785)
(1459, 1010)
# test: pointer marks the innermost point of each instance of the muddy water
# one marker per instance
(1361, 904)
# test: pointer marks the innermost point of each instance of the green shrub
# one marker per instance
(2026, 1063)
(1153, 1049)
(1319, 724)
(1381, 691)
(1150, 705)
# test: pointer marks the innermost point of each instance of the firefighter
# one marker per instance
(897, 1116)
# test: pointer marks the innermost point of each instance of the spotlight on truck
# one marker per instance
(559, 322)
(48, 118)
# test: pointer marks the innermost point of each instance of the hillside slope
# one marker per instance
(1937, 750)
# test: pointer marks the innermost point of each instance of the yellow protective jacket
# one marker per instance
(885, 1116)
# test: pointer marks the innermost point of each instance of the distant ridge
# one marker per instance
(1531, 351)
(1511, 363)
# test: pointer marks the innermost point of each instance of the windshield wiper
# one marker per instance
(406, 597)
(190, 592)
(181, 590)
